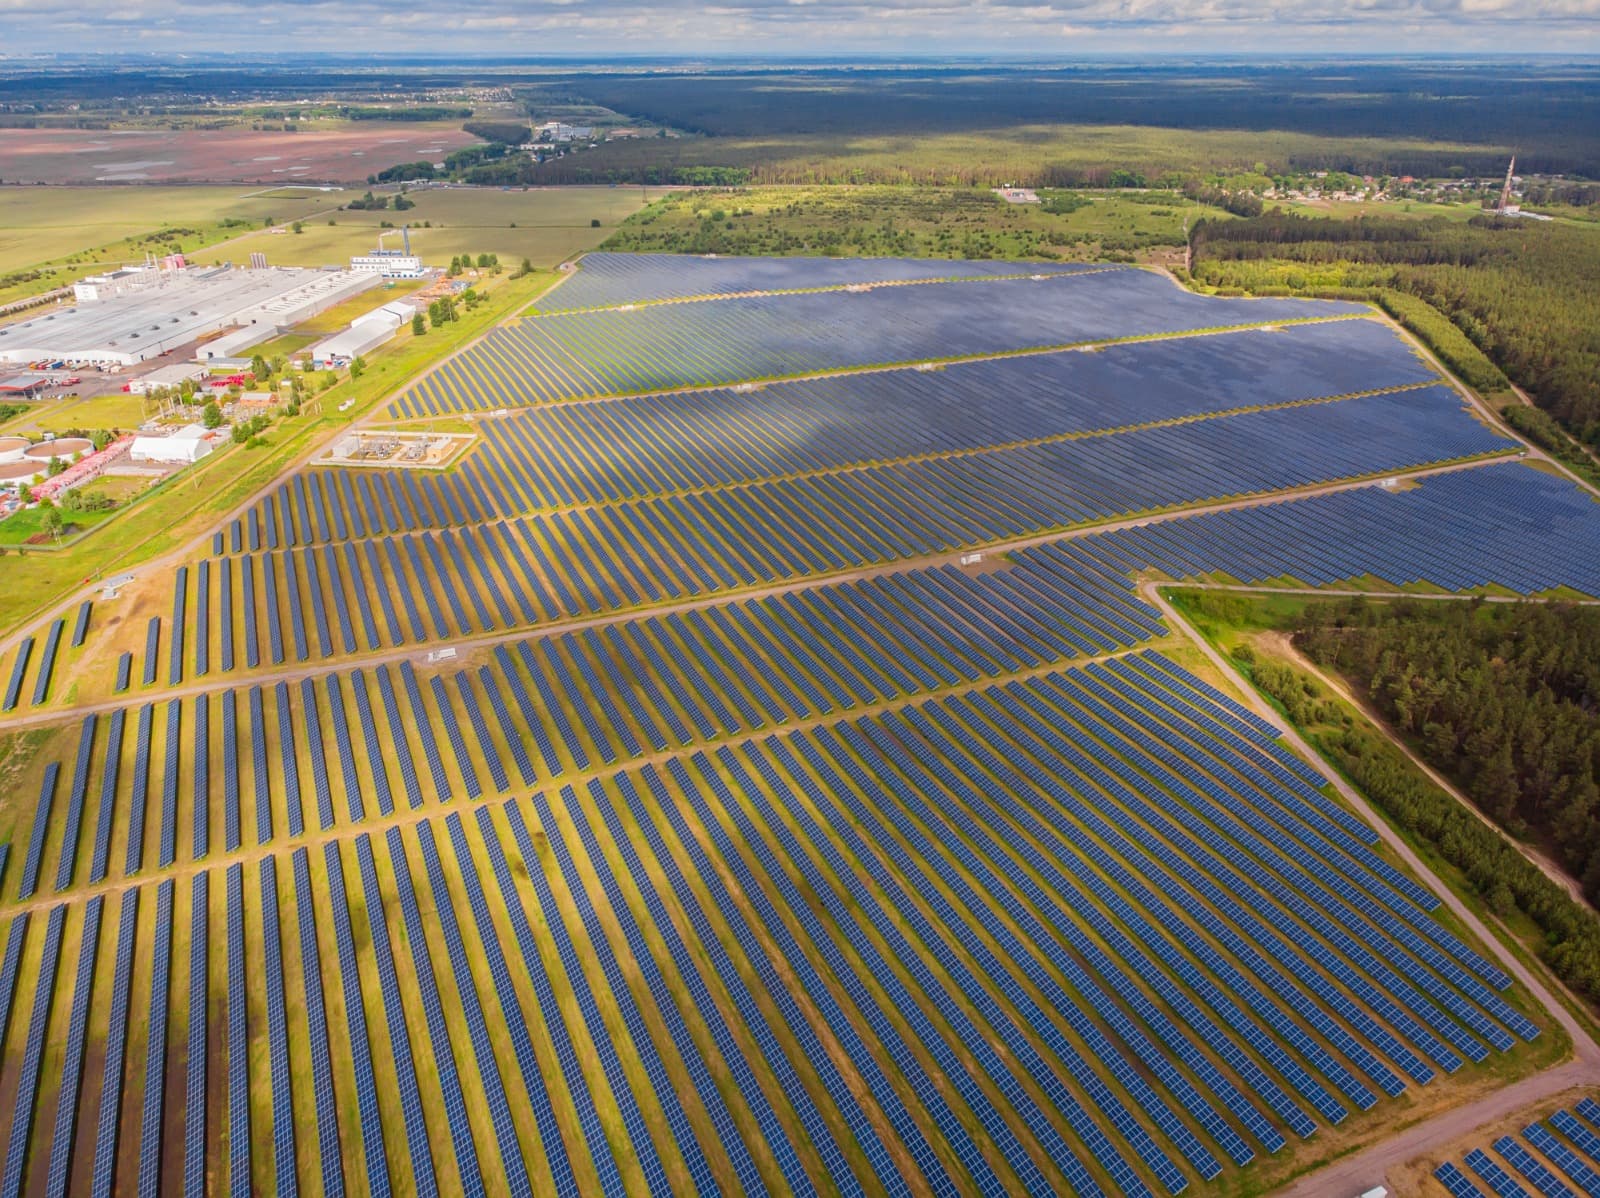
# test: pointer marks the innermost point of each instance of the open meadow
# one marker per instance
(757, 763)
(545, 225)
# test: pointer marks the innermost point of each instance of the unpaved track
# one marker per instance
(1353, 1174)
(1283, 645)
(465, 645)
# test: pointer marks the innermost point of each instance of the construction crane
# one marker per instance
(1507, 205)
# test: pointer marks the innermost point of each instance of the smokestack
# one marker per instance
(405, 237)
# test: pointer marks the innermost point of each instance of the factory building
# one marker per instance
(391, 264)
(188, 445)
(132, 316)
(365, 333)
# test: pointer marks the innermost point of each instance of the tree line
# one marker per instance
(1522, 291)
(1497, 697)
(1502, 698)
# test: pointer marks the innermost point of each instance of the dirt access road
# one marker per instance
(1356, 1173)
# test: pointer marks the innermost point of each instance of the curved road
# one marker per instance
(1354, 1174)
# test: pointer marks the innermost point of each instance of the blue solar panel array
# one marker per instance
(360, 1046)
(445, 1070)
(1557, 1158)
(324, 1101)
(107, 1132)
(604, 279)
(41, 828)
(424, 1178)
(999, 924)
(80, 626)
(152, 646)
(280, 1075)
(112, 757)
(489, 1082)
(1506, 525)
(47, 662)
(197, 1073)
(797, 526)
(19, 670)
(155, 1062)
(44, 990)
(64, 1136)
(668, 346)
(560, 1038)
(238, 1040)
(631, 448)
(180, 599)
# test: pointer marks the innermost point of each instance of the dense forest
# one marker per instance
(1502, 698)
(1552, 115)
(1523, 291)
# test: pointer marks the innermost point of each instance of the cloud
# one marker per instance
(563, 27)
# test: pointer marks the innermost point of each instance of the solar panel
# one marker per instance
(71, 1070)
(238, 1041)
(197, 1072)
(109, 1125)
(324, 1099)
(155, 1061)
(33, 1056)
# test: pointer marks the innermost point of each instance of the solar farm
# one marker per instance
(757, 764)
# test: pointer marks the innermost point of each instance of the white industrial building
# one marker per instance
(149, 313)
(168, 376)
(189, 444)
(365, 333)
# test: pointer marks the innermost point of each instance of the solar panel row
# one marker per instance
(669, 346)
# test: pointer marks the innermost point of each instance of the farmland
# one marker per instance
(329, 153)
(546, 226)
(48, 236)
(755, 765)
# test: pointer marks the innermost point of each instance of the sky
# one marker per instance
(778, 27)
